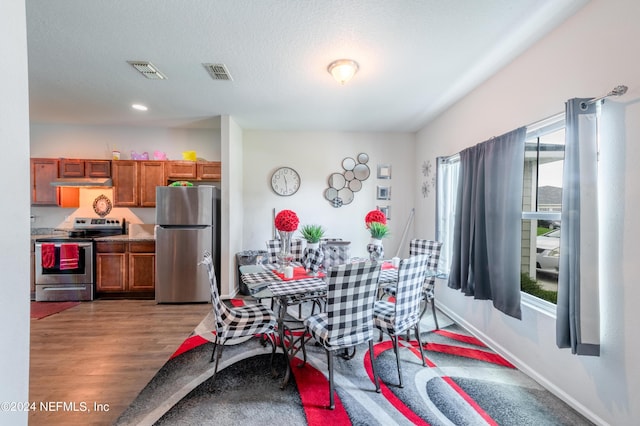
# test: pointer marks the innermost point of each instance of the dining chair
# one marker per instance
(236, 322)
(273, 248)
(336, 252)
(395, 318)
(348, 317)
(432, 249)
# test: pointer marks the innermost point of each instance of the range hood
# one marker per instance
(83, 182)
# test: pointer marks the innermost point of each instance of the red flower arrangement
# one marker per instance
(287, 220)
(375, 216)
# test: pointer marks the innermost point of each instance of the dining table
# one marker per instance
(265, 281)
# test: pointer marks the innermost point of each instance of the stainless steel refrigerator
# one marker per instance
(188, 222)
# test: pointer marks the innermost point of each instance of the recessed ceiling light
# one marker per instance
(139, 107)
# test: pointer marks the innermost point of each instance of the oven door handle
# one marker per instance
(82, 245)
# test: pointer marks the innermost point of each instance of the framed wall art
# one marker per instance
(386, 210)
(384, 192)
(384, 171)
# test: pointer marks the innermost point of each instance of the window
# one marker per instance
(446, 193)
(541, 207)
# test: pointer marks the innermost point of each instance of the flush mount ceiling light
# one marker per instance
(343, 69)
(139, 107)
(148, 70)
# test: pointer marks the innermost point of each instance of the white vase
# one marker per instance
(375, 249)
(375, 241)
(313, 246)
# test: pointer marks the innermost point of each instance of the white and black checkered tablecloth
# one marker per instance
(295, 287)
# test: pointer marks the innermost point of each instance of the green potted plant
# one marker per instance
(378, 230)
(313, 234)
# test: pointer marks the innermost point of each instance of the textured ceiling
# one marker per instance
(416, 58)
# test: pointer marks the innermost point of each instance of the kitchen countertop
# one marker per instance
(137, 233)
(127, 238)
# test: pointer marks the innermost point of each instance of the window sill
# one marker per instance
(539, 305)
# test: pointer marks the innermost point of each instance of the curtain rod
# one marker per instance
(617, 91)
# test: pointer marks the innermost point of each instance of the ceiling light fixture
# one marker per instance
(139, 107)
(343, 70)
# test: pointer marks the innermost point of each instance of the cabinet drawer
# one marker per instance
(142, 247)
(110, 247)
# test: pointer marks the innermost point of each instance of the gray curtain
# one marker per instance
(487, 231)
(577, 310)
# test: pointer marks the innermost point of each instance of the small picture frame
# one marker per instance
(384, 171)
(386, 210)
(384, 192)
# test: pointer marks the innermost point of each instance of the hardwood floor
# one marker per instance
(102, 352)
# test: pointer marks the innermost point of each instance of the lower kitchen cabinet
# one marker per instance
(125, 269)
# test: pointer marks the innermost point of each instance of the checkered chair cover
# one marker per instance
(431, 248)
(232, 323)
(273, 248)
(396, 318)
(312, 259)
(335, 254)
(348, 318)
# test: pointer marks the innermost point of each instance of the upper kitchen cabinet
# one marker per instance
(151, 174)
(181, 170)
(135, 182)
(43, 172)
(209, 170)
(70, 168)
(193, 171)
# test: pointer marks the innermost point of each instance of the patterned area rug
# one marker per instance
(463, 383)
(41, 310)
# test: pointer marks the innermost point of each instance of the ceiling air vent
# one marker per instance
(147, 69)
(218, 71)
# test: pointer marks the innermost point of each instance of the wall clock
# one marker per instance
(102, 206)
(285, 181)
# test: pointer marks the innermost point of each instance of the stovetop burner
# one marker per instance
(86, 229)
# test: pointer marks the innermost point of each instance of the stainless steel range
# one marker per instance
(65, 264)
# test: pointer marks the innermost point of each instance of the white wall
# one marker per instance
(316, 155)
(72, 141)
(586, 56)
(233, 206)
(14, 245)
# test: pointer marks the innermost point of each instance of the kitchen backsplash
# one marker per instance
(57, 217)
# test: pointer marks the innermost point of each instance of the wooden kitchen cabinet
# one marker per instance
(124, 174)
(135, 182)
(194, 170)
(74, 167)
(209, 170)
(142, 266)
(43, 172)
(151, 174)
(181, 170)
(125, 269)
(111, 267)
